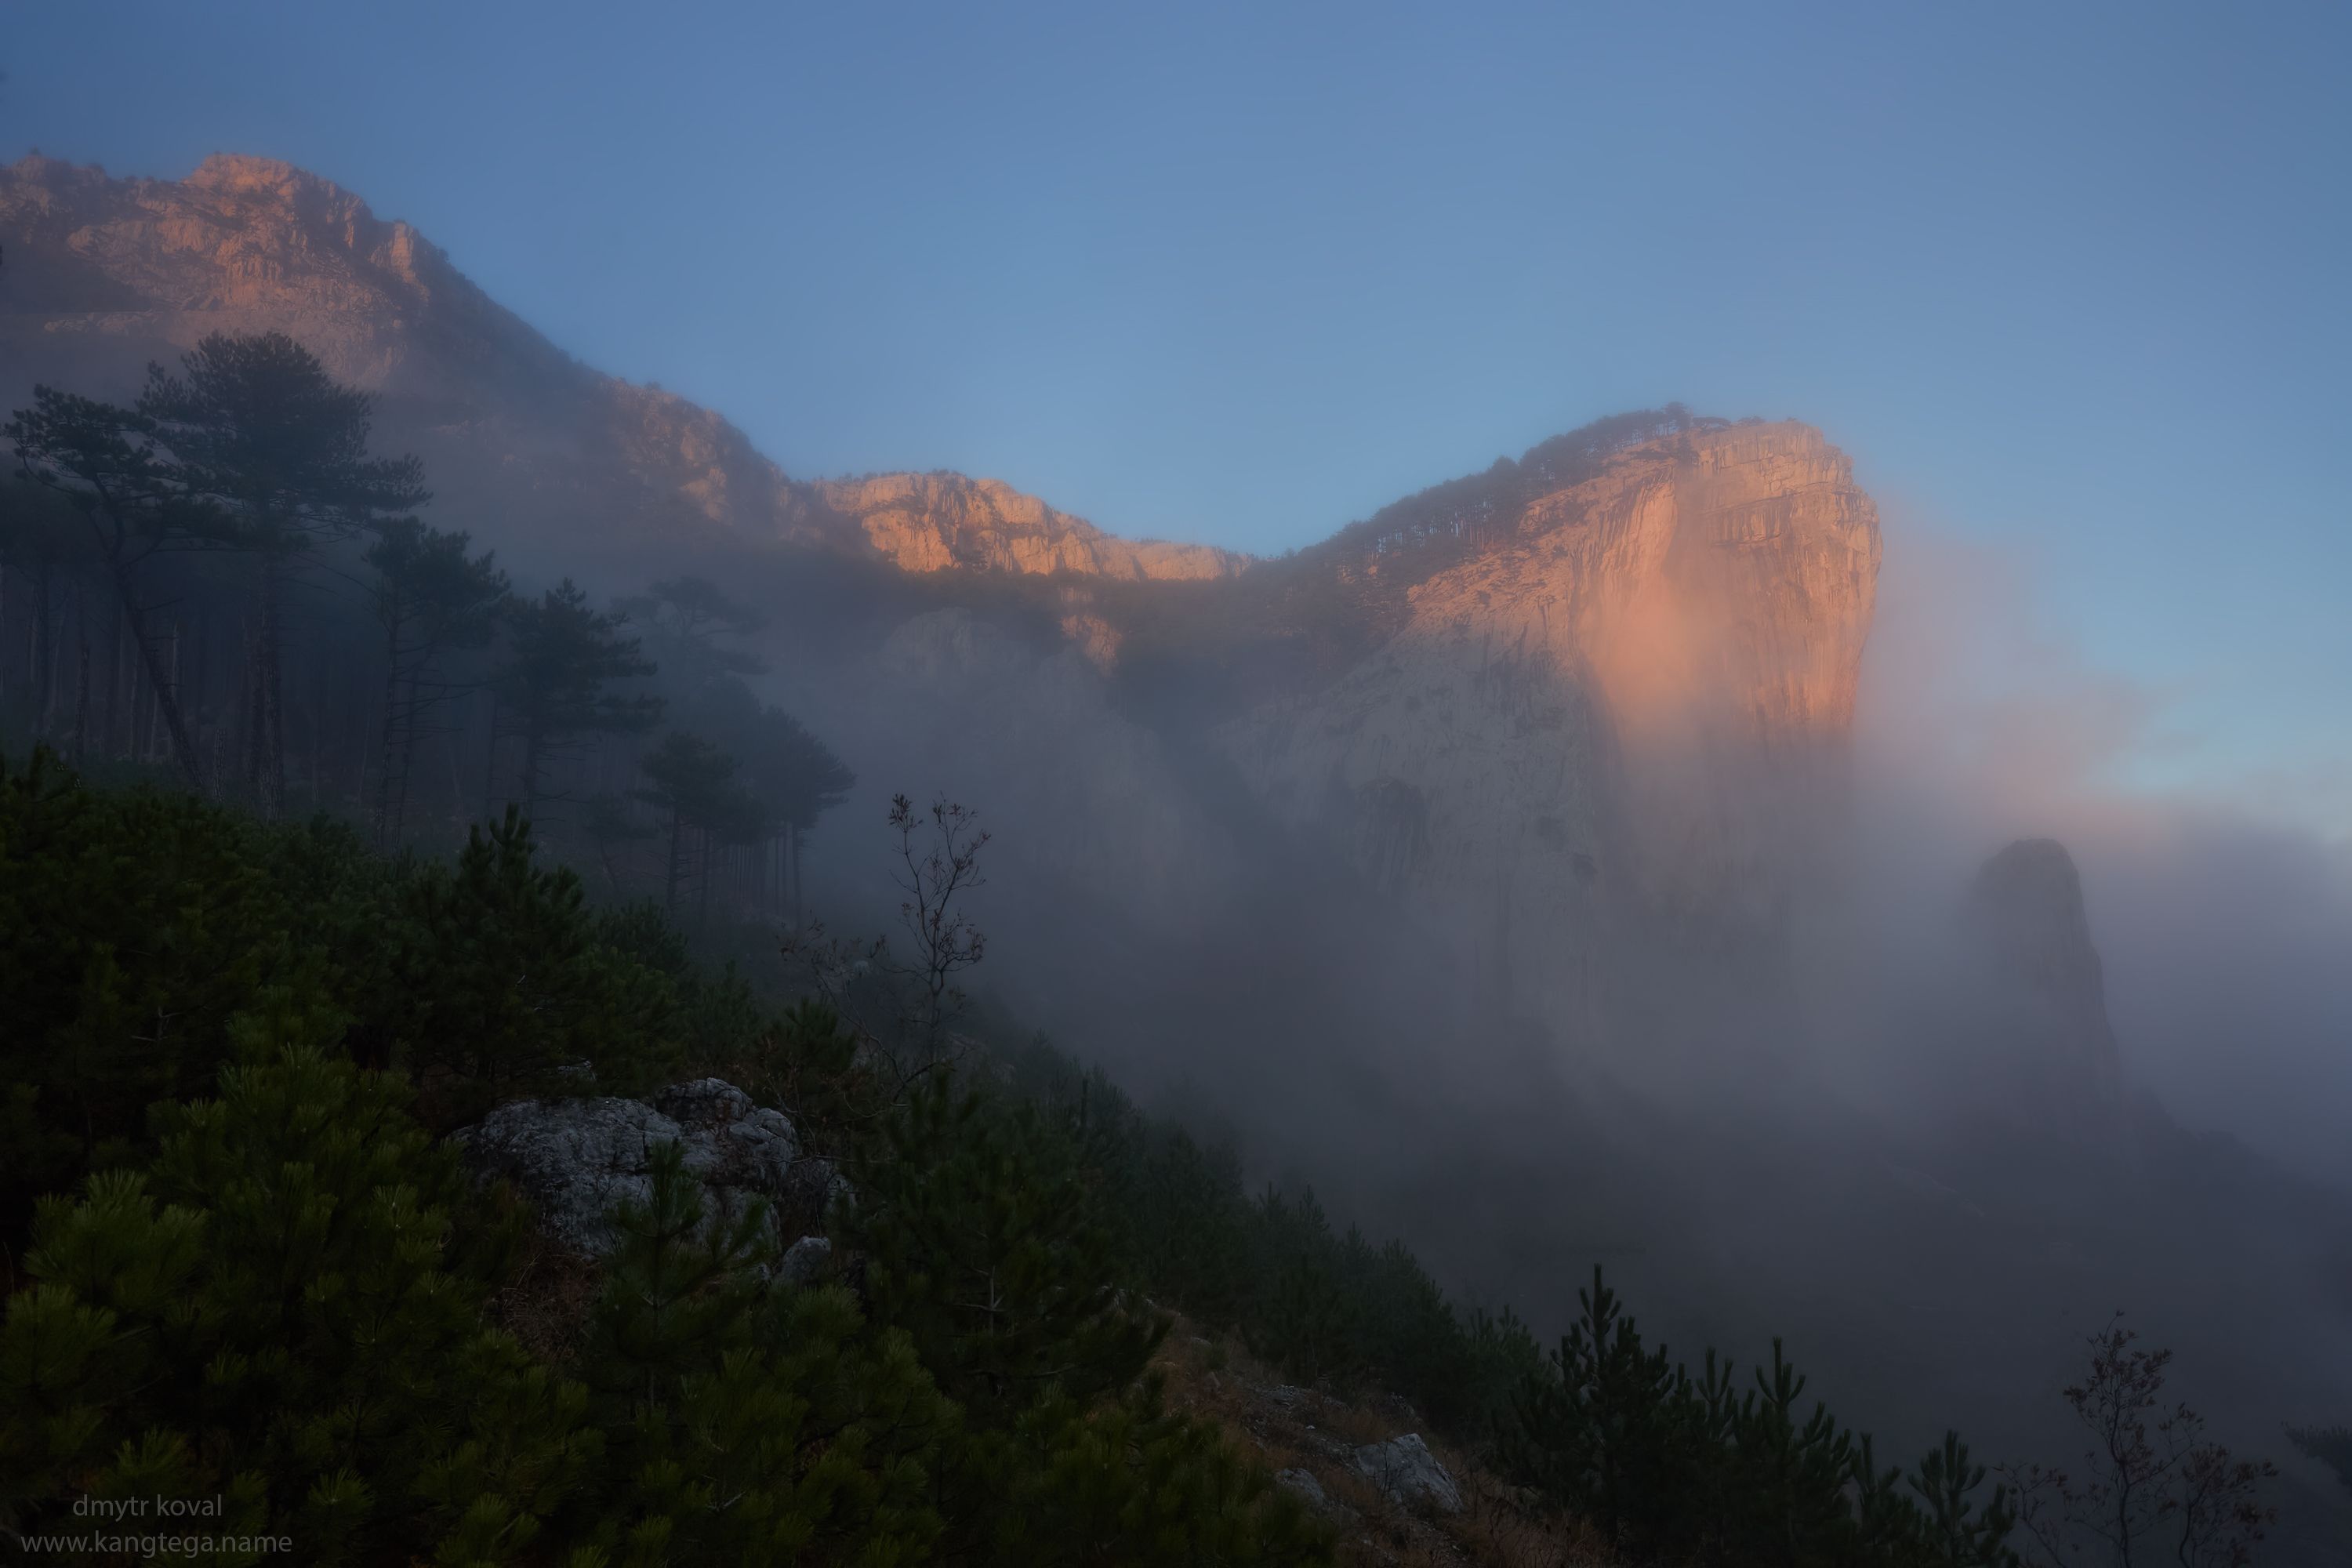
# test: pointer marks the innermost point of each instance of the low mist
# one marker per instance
(1814, 1140)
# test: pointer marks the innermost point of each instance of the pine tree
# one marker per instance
(985, 1243)
(133, 925)
(682, 1285)
(692, 782)
(695, 628)
(751, 1424)
(559, 684)
(798, 780)
(497, 981)
(1954, 1531)
(1131, 1482)
(1305, 1319)
(1606, 1430)
(255, 426)
(286, 1313)
(104, 459)
(1191, 1227)
(430, 596)
(41, 536)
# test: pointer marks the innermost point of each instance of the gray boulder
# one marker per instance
(740, 1145)
(575, 1160)
(1407, 1473)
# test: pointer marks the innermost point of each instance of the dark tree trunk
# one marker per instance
(81, 687)
(702, 912)
(530, 764)
(44, 655)
(163, 682)
(391, 719)
(266, 753)
(118, 670)
(490, 760)
(674, 850)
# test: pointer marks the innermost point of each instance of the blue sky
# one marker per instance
(2068, 280)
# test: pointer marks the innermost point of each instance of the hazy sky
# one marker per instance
(2069, 280)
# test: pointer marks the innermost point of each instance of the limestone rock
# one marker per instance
(1408, 1474)
(751, 1145)
(576, 1159)
(940, 522)
(1605, 722)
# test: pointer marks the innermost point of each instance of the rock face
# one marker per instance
(576, 1159)
(1409, 1475)
(942, 522)
(1613, 717)
(2039, 988)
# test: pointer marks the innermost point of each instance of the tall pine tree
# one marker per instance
(255, 426)
(432, 596)
(135, 506)
(561, 682)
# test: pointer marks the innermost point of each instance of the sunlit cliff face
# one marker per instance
(1716, 585)
(938, 522)
(1613, 725)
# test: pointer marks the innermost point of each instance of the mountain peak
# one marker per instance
(243, 172)
(2033, 931)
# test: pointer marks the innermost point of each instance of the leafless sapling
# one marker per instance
(2152, 1489)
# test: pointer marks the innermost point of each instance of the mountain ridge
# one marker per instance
(106, 273)
(1579, 691)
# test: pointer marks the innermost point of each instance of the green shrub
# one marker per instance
(284, 1311)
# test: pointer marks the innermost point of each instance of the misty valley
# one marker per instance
(568, 996)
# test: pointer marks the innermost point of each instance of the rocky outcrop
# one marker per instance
(577, 1160)
(1408, 1474)
(2037, 989)
(943, 522)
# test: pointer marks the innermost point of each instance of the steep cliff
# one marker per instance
(1615, 714)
